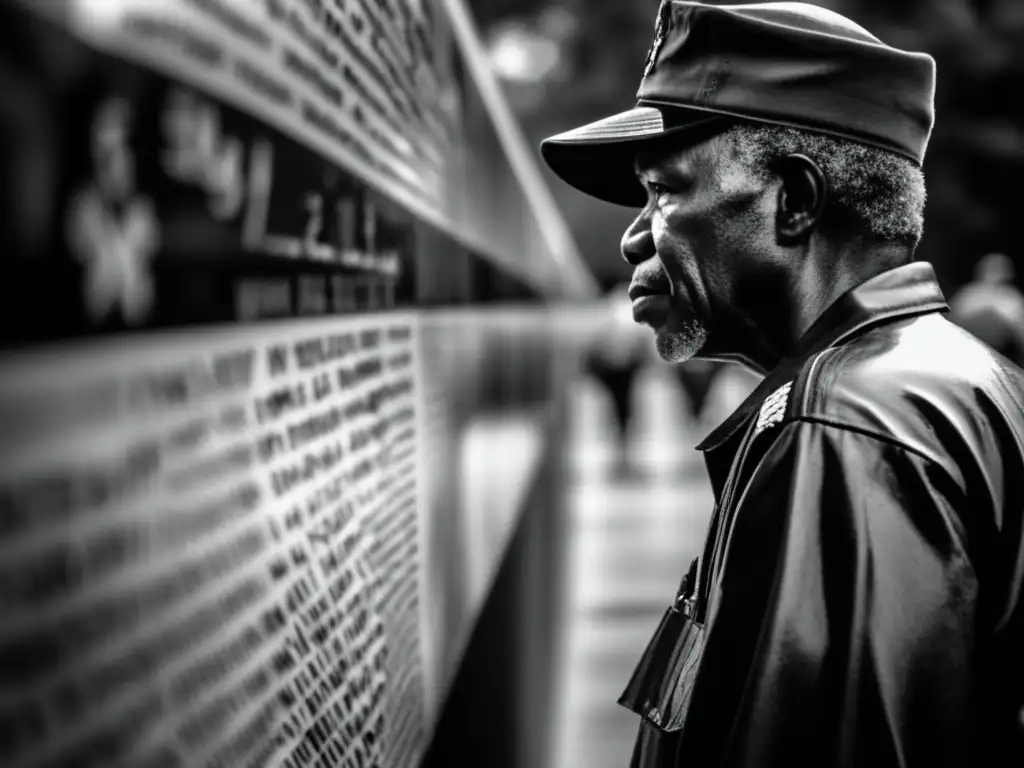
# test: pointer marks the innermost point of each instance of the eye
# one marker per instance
(656, 190)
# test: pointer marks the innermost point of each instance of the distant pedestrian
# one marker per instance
(697, 377)
(991, 307)
(617, 355)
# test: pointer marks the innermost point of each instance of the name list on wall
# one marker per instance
(209, 550)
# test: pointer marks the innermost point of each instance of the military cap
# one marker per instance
(787, 64)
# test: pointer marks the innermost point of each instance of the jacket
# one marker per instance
(858, 598)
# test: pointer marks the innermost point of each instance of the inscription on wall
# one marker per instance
(211, 557)
(366, 78)
(210, 515)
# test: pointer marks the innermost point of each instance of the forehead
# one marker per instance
(705, 156)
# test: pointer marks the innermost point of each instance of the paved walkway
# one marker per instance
(631, 543)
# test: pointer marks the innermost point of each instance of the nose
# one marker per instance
(637, 242)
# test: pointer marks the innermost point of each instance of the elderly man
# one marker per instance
(858, 598)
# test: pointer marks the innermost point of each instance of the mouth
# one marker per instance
(640, 291)
(651, 309)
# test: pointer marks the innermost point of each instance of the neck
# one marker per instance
(779, 304)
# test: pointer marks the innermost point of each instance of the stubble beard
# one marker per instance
(681, 343)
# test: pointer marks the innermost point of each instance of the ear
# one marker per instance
(802, 198)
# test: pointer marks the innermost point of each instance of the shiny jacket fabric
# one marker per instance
(858, 598)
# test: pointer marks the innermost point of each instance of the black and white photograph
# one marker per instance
(511, 383)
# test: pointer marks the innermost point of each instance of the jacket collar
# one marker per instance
(911, 289)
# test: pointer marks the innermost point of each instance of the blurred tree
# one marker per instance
(976, 153)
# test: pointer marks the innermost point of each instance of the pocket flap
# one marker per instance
(662, 683)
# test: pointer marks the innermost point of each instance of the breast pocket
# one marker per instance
(662, 684)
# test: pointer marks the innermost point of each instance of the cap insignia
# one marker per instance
(660, 28)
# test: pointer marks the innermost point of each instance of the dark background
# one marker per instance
(975, 156)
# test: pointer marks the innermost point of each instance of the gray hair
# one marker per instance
(880, 191)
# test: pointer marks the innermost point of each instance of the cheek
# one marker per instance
(740, 233)
(678, 252)
(693, 245)
(723, 249)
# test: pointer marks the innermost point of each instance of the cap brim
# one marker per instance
(598, 158)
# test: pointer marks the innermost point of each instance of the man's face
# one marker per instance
(708, 223)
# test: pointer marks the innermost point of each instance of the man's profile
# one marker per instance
(858, 599)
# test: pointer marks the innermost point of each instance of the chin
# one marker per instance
(680, 343)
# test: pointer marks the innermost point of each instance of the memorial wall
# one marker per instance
(277, 281)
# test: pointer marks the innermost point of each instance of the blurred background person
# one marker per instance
(617, 354)
(696, 377)
(991, 307)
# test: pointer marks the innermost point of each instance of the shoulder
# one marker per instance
(923, 384)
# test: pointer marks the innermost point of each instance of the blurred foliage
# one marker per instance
(976, 154)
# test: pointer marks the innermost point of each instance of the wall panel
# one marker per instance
(278, 373)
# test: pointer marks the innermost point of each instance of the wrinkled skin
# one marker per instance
(741, 265)
(704, 218)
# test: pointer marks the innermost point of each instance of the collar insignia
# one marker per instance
(773, 409)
